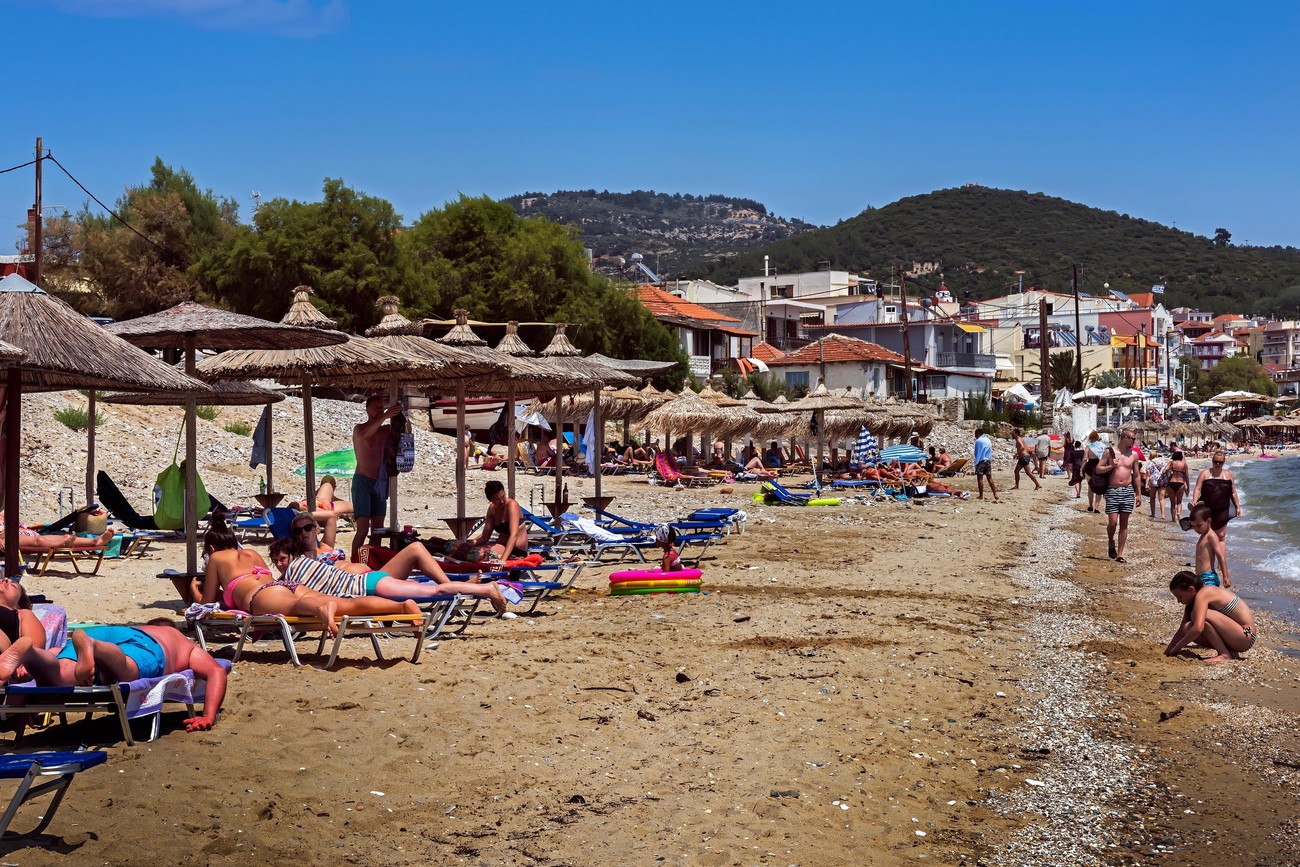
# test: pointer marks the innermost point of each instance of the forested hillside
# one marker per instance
(678, 234)
(980, 237)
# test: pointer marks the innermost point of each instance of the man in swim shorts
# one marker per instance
(984, 464)
(1122, 496)
(368, 502)
(115, 654)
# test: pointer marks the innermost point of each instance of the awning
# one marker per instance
(1001, 362)
(970, 329)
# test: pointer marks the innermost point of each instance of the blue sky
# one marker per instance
(1183, 113)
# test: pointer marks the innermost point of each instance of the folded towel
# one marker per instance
(589, 528)
(199, 610)
(147, 695)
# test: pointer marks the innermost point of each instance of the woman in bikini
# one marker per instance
(1176, 485)
(392, 582)
(505, 519)
(32, 542)
(1213, 617)
(16, 616)
(326, 510)
(241, 581)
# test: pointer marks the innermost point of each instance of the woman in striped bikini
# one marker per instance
(1212, 617)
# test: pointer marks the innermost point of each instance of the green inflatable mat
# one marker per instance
(616, 592)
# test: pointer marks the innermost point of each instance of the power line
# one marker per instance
(50, 156)
(16, 168)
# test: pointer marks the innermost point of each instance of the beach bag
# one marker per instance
(1099, 482)
(169, 511)
(406, 451)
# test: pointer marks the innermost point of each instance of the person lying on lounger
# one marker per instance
(326, 509)
(32, 542)
(296, 559)
(241, 581)
(116, 654)
(16, 616)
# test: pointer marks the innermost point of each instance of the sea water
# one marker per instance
(1264, 543)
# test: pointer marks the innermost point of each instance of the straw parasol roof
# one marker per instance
(634, 366)
(303, 313)
(821, 399)
(519, 371)
(66, 350)
(689, 412)
(217, 329)
(224, 393)
(10, 353)
(513, 344)
(393, 332)
(562, 355)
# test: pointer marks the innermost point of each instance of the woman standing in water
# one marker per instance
(1215, 488)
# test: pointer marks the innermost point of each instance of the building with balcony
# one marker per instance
(1280, 344)
(1212, 348)
(710, 339)
(871, 369)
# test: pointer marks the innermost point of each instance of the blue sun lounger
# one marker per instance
(29, 767)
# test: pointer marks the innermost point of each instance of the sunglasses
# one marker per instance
(306, 528)
(1218, 463)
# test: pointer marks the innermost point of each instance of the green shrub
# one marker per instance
(76, 418)
(207, 413)
(240, 428)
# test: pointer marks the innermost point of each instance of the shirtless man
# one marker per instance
(1122, 494)
(368, 502)
(118, 654)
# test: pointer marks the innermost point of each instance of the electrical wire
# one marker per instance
(31, 162)
(50, 156)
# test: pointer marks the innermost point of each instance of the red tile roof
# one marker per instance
(837, 347)
(664, 305)
(765, 351)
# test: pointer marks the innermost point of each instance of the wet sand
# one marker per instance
(951, 683)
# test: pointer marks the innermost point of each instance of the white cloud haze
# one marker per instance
(297, 18)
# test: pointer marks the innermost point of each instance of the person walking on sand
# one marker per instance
(1024, 460)
(1122, 495)
(1176, 484)
(368, 501)
(984, 464)
(1043, 451)
(1094, 450)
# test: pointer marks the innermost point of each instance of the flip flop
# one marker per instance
(1112, 553)
(1120, 560)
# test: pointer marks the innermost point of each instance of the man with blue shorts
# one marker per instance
(369, 502)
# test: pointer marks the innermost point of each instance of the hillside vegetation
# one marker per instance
(678, 234)
(980, 237)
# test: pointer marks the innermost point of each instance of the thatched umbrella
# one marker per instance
(566, 358)
(818, 401)
(521, 372)
(63, 350)
(192, 326)
(398, 333)
(686, 412)
(358, 361)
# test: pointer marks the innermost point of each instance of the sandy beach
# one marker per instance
(950, 682)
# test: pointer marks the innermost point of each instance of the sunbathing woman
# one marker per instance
(1212, 617)
(327, 509)
(240, 580)
(390, 583)
(505, 520)
(17, 620)
(32, 542)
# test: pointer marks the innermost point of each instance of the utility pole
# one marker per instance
(1078, 335)
(907, 337)
(37, 240)
(1044, 372)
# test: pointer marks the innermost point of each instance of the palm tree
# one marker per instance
(1061, 372)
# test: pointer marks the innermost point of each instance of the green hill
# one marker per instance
(677, 234)
(980, 237)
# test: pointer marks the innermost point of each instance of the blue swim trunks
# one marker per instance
(367, 500)
(138, 645)
(1210, 578)
(372, 581)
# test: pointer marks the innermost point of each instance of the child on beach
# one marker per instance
(1212, 617)
(666, 538)
(1211, 551)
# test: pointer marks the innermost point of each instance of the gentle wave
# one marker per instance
(1284, 563)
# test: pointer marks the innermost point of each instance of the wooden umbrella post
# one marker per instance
(90, 448)
(13, 436)
(598, 441)
(191, 468)
(460, 451)
(309, 439)
(392, 480)
(511, 439)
